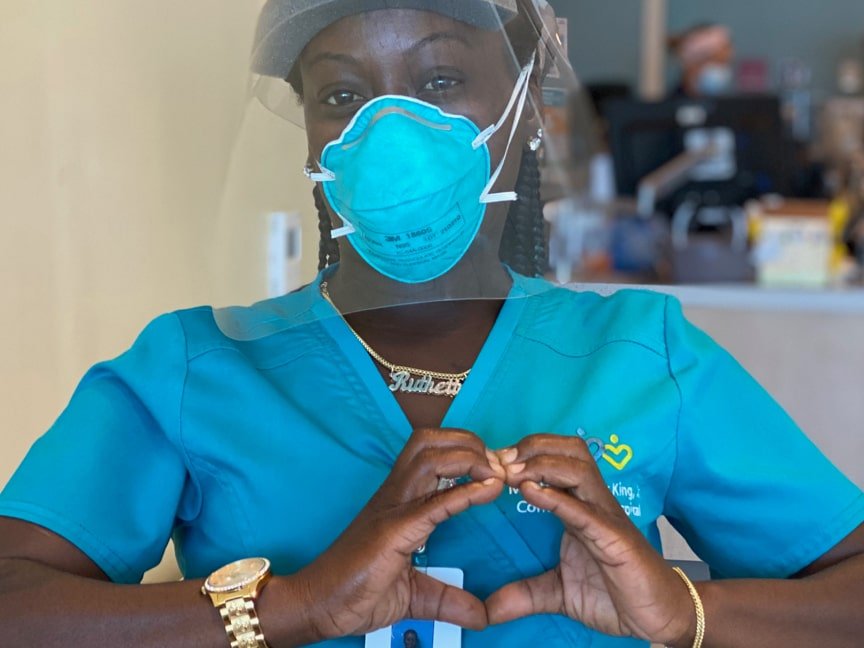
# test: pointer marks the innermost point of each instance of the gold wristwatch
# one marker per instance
(233, 590)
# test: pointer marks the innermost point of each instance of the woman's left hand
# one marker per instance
(609, 577)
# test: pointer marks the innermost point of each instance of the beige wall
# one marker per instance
(118, 119)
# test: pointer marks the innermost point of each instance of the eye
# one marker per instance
(441, 84)
(342, 98)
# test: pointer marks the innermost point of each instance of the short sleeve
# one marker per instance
(108, 476)
(749, 491)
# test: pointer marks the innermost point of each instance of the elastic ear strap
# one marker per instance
(509, 196)
(346, 229)
(484, 137)
(342, 231)
(326, 175)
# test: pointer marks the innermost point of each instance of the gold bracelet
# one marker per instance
(697, 603)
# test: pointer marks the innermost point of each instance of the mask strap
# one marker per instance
(347, 229)
(520, 95)
(326, 175)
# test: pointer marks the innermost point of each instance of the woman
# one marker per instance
(269, 431)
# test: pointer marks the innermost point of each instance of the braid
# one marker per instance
(523, 244)
(328, 249)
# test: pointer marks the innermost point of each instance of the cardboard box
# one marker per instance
(793, 242)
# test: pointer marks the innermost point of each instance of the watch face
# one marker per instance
(237, 574)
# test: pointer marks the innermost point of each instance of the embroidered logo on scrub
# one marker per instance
(618, 455)
(539, 533)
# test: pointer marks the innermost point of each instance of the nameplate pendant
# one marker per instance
(404, 382)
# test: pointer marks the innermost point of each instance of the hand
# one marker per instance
(365, 580)
(609, 577)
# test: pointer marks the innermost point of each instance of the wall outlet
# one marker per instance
(284, 252)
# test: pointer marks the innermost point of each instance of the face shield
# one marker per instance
(397, 153)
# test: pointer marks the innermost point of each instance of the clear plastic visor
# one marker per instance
(397, 155)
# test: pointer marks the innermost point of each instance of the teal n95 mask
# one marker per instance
(411, 182)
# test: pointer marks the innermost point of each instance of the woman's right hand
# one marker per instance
(365, 580)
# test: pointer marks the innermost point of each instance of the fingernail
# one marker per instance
(515, 469)
(493, 458)
(508, 455)
(491, 481)
(530, 485)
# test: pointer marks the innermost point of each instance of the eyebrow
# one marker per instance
(331, 56)
(437, 37)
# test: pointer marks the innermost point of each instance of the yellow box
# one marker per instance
(793, 242)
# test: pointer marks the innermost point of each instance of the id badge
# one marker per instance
(422, 634)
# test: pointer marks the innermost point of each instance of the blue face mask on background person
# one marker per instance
(715, 80)
(411, 183)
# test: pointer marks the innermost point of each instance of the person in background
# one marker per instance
(706, 54)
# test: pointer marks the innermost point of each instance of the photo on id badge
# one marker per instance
(411, 633)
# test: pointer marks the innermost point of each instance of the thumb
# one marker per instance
(446, 504)
(539, 595)
(432, 599)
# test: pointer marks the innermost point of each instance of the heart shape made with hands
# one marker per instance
(609, 577)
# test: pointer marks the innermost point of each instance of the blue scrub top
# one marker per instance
(272, 446)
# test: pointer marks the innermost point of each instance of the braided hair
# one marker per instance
(523, 244)
(328, 248)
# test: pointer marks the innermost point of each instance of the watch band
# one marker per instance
(241, 623)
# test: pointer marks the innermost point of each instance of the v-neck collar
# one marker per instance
(457, 415)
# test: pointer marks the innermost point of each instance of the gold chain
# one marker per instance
(394, 368)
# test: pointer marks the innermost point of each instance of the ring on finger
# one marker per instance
(445, 483)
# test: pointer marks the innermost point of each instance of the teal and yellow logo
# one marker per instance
(615, 453)
(618, 455)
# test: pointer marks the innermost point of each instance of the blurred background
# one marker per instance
(728, 170)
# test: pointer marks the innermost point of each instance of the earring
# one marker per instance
(308, 170)
(537, 141)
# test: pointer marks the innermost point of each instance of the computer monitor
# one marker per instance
(748, 129)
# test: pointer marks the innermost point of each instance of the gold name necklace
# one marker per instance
(405, 379)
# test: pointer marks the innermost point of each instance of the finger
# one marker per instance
(546, 444)
(432, 599)
(542, 594)
(444, 505)
(432, 463)
(420, 518)
(613, 541)
(589, 523)
(581, 478)
(428, 437)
